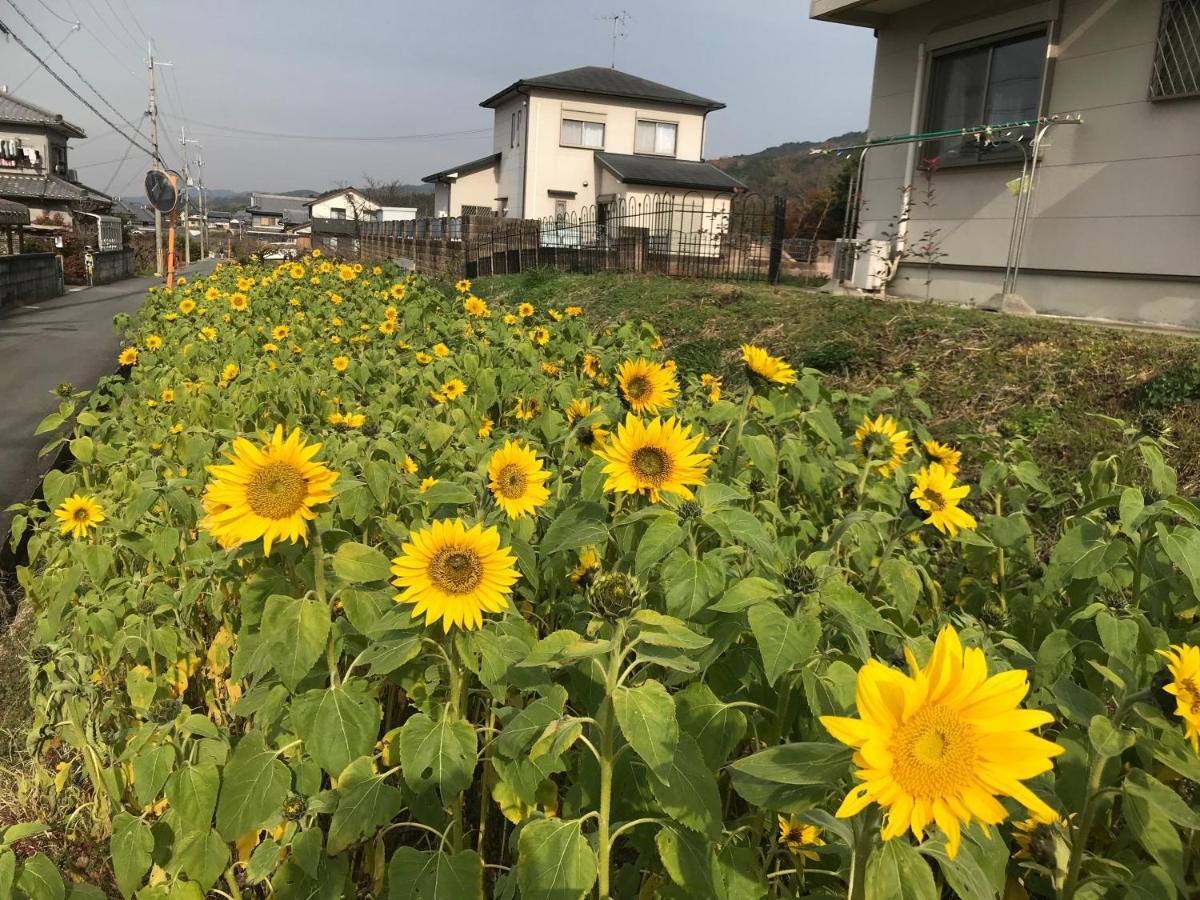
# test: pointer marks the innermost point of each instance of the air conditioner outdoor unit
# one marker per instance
(871, 265)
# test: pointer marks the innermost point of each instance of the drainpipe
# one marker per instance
(910, 164)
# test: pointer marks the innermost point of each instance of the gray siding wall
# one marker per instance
(1118, 194)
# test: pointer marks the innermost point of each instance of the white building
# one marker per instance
(583, 137)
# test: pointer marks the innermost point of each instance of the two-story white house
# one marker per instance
(34, 168)
(1114, 214)
(584, 137)
(351, 204)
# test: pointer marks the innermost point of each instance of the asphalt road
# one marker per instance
(67, 339)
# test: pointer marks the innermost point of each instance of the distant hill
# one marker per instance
(789, 170)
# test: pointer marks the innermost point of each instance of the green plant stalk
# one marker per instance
(864, 843)
(736, 446)
(607, 728)
(455, 710)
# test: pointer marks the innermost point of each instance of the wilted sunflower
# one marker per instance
(936, 493)
(798, 837)
(653, 458)
(454, 574)
(128, 357)
(77, 514)
(944, 455)
(646, 386)
(768, 367)
(880, 439)
(1183, 662)
(517, 480)
(941, 744)
(267, 492)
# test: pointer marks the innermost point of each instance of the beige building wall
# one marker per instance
(565, 169)
(355, 204)
(508, 139)
(479, 188)
(1117, 195)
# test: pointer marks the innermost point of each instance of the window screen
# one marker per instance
(1177, 57)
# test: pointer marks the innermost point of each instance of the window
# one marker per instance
(514, 134)
(337, 212)
(655, 137)
(989, 83)
(560, 210)
(1177, 57)
(577, 133)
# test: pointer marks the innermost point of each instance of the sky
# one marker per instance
(314, 70)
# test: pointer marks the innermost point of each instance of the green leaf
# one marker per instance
(165, 542)
(253, 787)
(296, 631)
(691, 583)
(421, 875)
(337, 724)
(1157, 796)
(738, 874)
(529, 722)
(664, 535)
(902, 584)
(646, 714)
(8, 871)
(366, 802)
(555, 861)
(192, 793)
(40, 879)
(838, 595)
(689, 793)
(761, 450)
(740, 526)
(577, 526)
(896, 871)
(717, 728)
(202, 856)
(97, 559)
(688, 859)
(1085, 551)
(438, 753)
(151, 768)
(131, 845)
(788, 774)
(1182, 546)
(360, 564)
(263, 861)
(746, 593)
(449, 492)
(783, 641)
(1107, 740)
(1154, 831)
(667, 631)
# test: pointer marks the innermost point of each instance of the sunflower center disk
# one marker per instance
(934, 753)
(637, 388)
(512, 482)
(276, 491)
(81, 514)
(456, 571)
(652, 464)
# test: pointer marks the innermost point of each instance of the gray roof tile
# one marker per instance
(659, 171)
(608, 82)
(38, 187)
(22, 112)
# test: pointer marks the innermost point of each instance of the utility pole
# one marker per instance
(203, 204)
(153, 112)
(187, 194)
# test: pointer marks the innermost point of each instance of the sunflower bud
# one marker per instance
(690, 509)
(615, 594)
(65, 389)
(799, 578)
(371, 428)
(294, 807)
(994, 616)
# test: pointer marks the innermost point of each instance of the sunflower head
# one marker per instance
(935, 493)
(653, 458)
(766, 368)
(943, 454)
(939, 745)
(517, 480)
(128, 356)
(646, 386)
(614, 595)
(267, 491)
(454, 574)
(1183, 663)
(77, 514)
(1042, 841)
(799, 837)
(585, 570)
(340, 364)
(153, 342)
(882, 442)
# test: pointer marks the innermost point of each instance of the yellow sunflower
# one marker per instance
(409, 466)
(591, 365)
(463, 286)
(485, 427)
(769, 368)
(340, 364)
(936, 493)
(454, 574)
(128, 356)
(798, 837)
(153, 342)
(646, 386)
(423, 358)
(880, 438)
(453, 389)
(267, 492)
(347, 273)
(939, 746)
(653, 458)
(296, 271)
(280, 332)
(230, 372)
(517, 479)
(525, 310)
(476, 307)
(77, 514)
(587, 567)
(441, 350)
(426, 484)
(574, 310)
(1043, 841)
(1183, 662)
(387, 326)
(578, 409)
(186, 305)
(713, 383)
(397, 291)
(539, 335)
(168, 396)
(944, 455)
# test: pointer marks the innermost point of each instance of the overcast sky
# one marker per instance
(388, 68)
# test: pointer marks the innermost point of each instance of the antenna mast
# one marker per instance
(619, 21)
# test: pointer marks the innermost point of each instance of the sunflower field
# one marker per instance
(361, 585)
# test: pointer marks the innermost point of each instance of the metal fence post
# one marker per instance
(778, 220)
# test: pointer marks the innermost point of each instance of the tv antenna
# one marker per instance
(619, 21)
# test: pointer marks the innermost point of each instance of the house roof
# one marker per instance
(334, 193)
(13, 213)
(21, 112)
(135, 212)
(296, 216)
(38, 187)
(275, 204)
(655, 170)
(607, 82)
(473, 166)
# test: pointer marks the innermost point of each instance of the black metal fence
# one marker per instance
(725, 236)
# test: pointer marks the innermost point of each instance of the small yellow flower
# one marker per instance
(426, 484)
(453, 389)
(153, 342)
(168, 396)
(441, 350)
(525, 310)
(409, 466)
(423, 358)
(574, 311)
(397, 291)
(540, 336)
(186, 306)
(340, 363)
(485, 428)
(798, 837)
(77, 514)
(230, 372)
(128, 356)
(462, 285)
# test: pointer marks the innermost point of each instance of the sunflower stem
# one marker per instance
(737, 433)
(607, 758)
(864, 843)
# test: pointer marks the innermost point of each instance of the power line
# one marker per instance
(104, 44)
(136, 43)
(34, 70)
(121, 164)
(44, 5)
(4, 29)
(133, 18)
(383, 139)
(78, 74)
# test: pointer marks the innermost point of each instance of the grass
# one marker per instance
(1043, 380)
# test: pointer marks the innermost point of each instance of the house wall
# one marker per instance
(511, 179)
(473, 189)
(553, 167)
(39, 139)
(1116, 195)
(355, 205)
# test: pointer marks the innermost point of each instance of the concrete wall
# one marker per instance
(113, 265)
(29, 277)
(555, 167)
(1118, 195)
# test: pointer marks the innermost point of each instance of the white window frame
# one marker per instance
(582, 143)
(656, 123)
